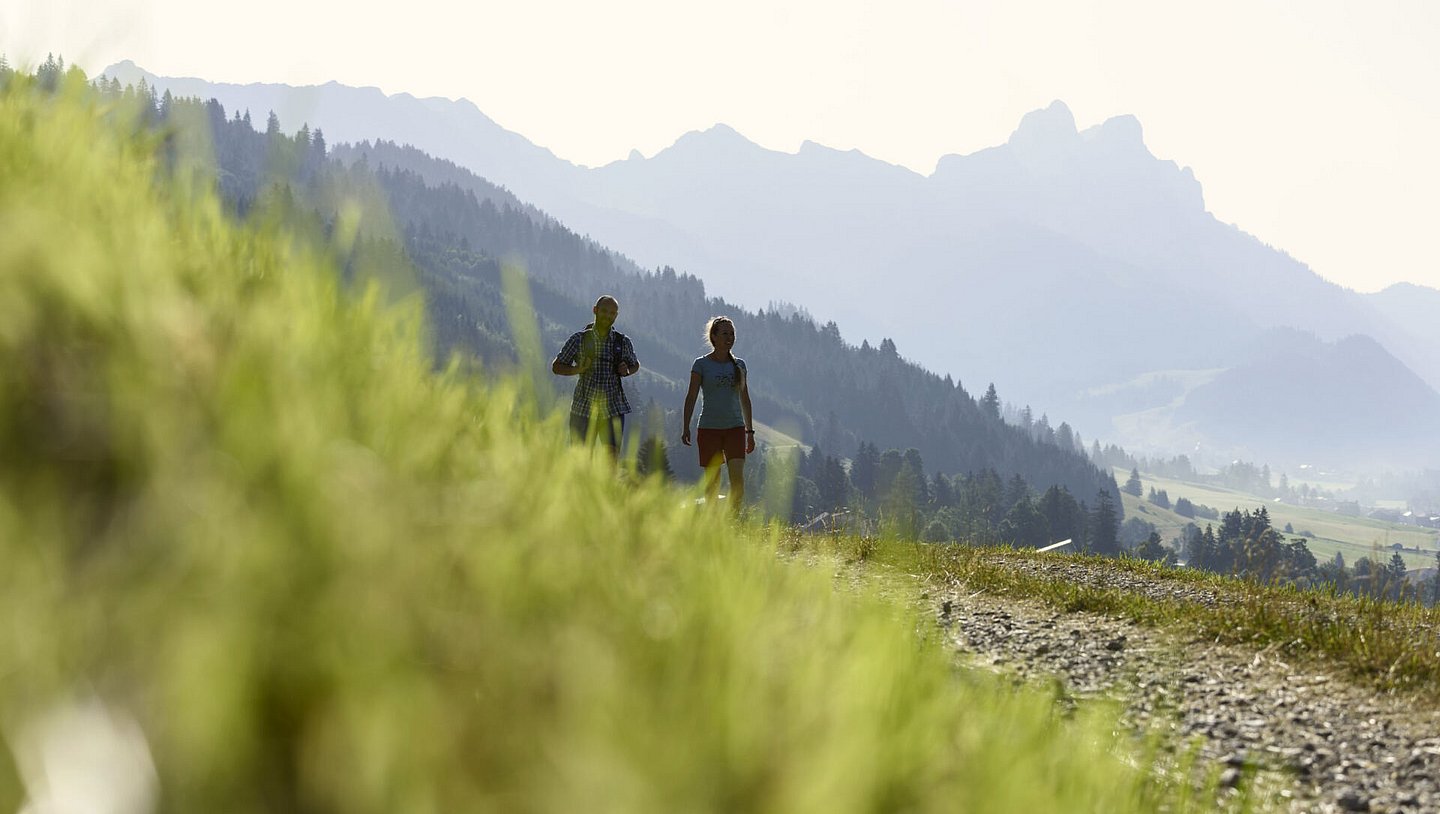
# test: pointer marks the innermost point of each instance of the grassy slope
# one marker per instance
(237, 505)
(1354, 537)
(1378, 643)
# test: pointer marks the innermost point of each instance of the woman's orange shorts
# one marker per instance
(723, 444)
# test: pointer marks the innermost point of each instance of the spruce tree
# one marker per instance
(864, 470)
(1104, 525)
(990, 402)
(1397, 565)
(652, 458)
(1133, 486)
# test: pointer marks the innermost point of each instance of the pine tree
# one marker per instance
(1044, 433)
(865, 469)
(990, 402)
(942, 494)
(1133, 486)
(1025, 526)
(1151, 548)
(1065, 437)
(1063, 514)
(1104, 525)
(920, 491)
(833, 484)
(1397, 565)
(48, 75)
(1015, 491)
(653, 458)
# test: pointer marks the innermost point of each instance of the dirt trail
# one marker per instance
(1327, 744)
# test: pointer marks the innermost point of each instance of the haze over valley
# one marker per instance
(1070, 266)
(349, 426)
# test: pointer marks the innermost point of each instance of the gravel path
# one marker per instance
(1310, 736)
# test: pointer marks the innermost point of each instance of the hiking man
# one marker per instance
(600, 356)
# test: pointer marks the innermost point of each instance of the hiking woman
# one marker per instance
(726, 433)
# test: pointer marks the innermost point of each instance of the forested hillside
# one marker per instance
(260, 556)
(837, 394)
(453, 232)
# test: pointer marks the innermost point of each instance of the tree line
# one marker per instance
(430, 225)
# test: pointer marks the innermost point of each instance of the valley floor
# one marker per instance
(1284, 732)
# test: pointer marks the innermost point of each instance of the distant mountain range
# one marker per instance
(1073, 268)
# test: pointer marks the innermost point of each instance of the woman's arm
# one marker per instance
(745, 411)
(690, 406)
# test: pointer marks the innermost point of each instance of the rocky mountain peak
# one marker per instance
(1046, 128)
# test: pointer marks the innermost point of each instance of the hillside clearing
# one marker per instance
(1330, 531)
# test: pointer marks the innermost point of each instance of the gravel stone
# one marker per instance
(1315, 741)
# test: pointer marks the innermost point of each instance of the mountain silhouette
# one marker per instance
(1071, 266)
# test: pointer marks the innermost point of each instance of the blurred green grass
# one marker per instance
(237, 503)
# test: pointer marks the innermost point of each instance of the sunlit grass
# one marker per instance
(1353, 537)
(237, 505)
(1379, 643)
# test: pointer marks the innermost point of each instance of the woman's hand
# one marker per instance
(685, 436)
(749, 442)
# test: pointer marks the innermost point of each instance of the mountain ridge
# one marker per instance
(1061, 238)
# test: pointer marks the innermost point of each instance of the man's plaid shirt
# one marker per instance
(600, 380)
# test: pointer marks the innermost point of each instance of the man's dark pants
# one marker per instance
(607, 430)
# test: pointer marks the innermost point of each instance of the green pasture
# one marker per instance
(1353, 537)
(258, 550)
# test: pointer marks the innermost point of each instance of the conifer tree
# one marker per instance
(652, 458)
(1133, 486)
(990, 402)
(1435, 582)
(1104, 525)
(865, 469)
(1397, 565)
(1065, 436)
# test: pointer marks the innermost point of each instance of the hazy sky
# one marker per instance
(1312, 124)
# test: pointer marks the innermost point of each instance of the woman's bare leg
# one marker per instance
(736, 466)
(712, 481)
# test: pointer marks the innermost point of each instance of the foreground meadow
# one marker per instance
(259, 556)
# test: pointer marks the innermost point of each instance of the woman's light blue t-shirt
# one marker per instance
(720, 408)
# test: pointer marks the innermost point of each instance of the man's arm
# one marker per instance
(629, 365)
(559, 368)
(565, 363)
